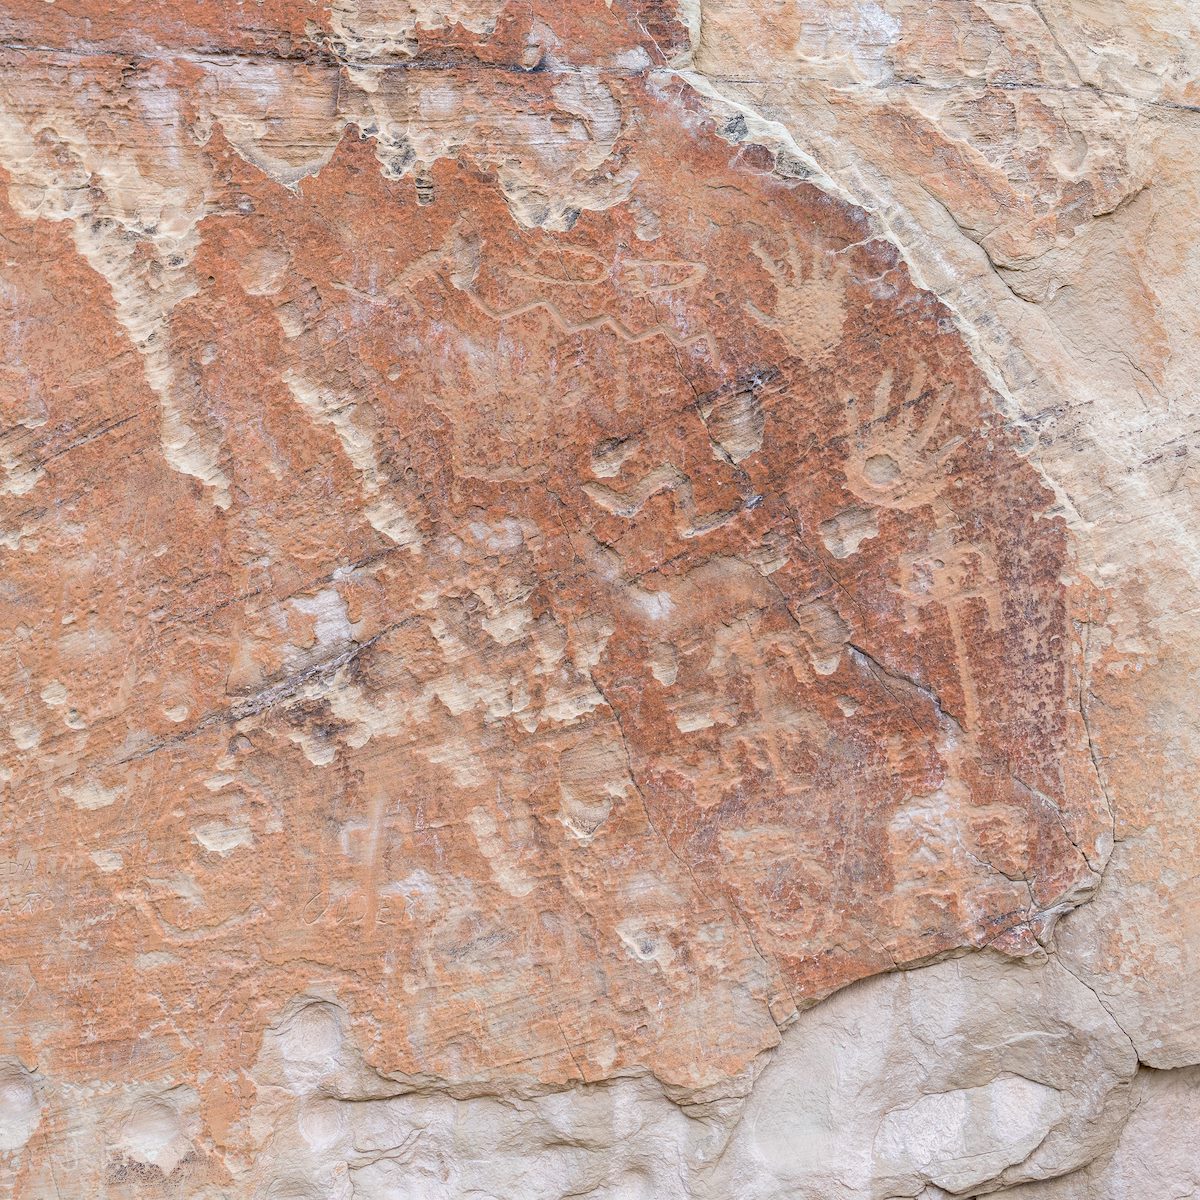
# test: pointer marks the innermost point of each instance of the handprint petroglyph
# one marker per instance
(894, 457)
(808, 311)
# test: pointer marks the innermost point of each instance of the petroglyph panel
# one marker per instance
(494, 550)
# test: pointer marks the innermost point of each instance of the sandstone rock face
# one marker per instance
(599, 600)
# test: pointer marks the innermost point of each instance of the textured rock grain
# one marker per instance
(548, 550)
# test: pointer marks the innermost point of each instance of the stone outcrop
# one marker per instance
(599, 600)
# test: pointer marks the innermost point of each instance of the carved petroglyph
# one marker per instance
(573, 670)
(960, 576)
(897, 451)
(808, 303)
(137, 222)
(661, 479)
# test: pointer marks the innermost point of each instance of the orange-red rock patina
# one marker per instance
(496, 546)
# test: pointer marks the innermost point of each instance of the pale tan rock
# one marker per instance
(966, 1075)
(20, 1107)
(1156, 1154)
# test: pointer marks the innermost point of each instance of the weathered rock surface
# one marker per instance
(547, 551)
(1039, 165)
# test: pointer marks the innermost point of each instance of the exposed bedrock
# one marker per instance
(599, 600)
